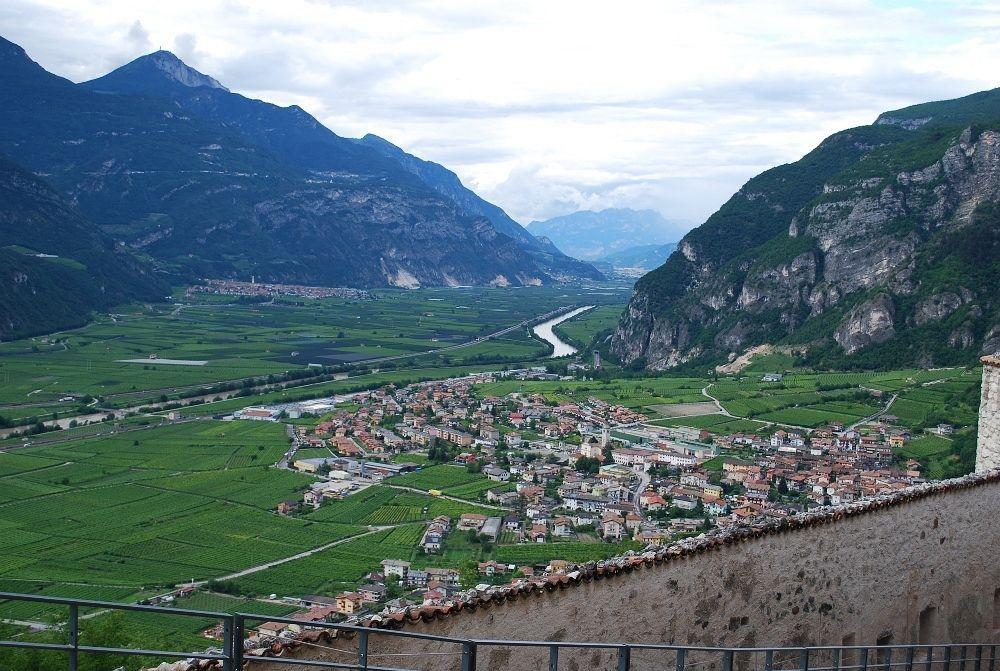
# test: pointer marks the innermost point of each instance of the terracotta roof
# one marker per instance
(993, 360)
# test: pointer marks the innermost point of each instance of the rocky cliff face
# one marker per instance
(889, 251)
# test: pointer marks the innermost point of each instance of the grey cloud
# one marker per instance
(138, 37)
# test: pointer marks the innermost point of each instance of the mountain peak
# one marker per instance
(178, 71)
(147, 73)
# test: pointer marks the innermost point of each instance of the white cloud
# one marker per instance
(545, 107)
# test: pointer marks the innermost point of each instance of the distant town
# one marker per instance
(271, 290)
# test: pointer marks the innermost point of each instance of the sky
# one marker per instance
(546, 107)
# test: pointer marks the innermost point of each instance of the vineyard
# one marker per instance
(379, 505)
(109, 513)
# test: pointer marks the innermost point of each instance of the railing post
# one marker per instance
(74, 637)
(961, 661)
(227, 644)
(804, 659)
(930, 658)
(468, 656)
(864, 659)
(553, 657)
(993, 658)
(835, 661)
(979, 657)
(888, 659)
(727, 660)
(947, 658)
(909, 659)
(624, 658)
(769, 660)
(239, 635)
(681, 654)
(363, 649)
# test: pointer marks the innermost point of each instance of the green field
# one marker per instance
(238, 340)
(380, 505)
(188, 501)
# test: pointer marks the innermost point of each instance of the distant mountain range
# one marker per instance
(644, 257)
(595, 235)
(203, 182)
(879, 248)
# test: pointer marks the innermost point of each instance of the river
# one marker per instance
(545, 332)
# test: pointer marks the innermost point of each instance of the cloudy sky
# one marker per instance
(546, 107)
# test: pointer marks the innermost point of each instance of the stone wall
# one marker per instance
(923, 569)
(988, 449)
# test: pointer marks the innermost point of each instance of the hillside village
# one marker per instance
(553, 472)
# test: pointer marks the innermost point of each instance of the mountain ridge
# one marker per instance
(842, 253)
(591, 235)
(209, 183)
(57, 267)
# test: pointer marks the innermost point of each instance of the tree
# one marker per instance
(468, 574)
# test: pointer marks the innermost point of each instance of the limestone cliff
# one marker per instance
(880, 246)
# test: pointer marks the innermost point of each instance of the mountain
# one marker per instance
(209, 183)
(646, 257)
(880, 247)
(591, 235)
(447, 183)
(55, 266)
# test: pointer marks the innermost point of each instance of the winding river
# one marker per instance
(545, 332)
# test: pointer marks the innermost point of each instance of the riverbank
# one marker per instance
(545, 332)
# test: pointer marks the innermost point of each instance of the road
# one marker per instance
(640, 488)
(301, 555)
(872, 418)
(293, 447)
(704, 392)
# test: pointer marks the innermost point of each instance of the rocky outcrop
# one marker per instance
(870, 322)
(885, 242)
(936, 307)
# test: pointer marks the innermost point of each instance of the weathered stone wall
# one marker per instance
(920, 571)
(988, 449)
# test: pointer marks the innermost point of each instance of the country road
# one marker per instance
(876, 415)
(704, 392)
(301, 555)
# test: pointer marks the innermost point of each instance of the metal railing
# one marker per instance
(357, 652)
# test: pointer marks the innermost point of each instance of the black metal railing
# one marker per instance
(356, 651)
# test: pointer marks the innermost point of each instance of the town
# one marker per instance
(271, 290)
(551, 472)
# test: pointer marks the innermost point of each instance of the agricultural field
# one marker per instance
(449, 479)
(202, 339)
(716, 423)
(153, 508)
(335, 569)
(380, 505)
